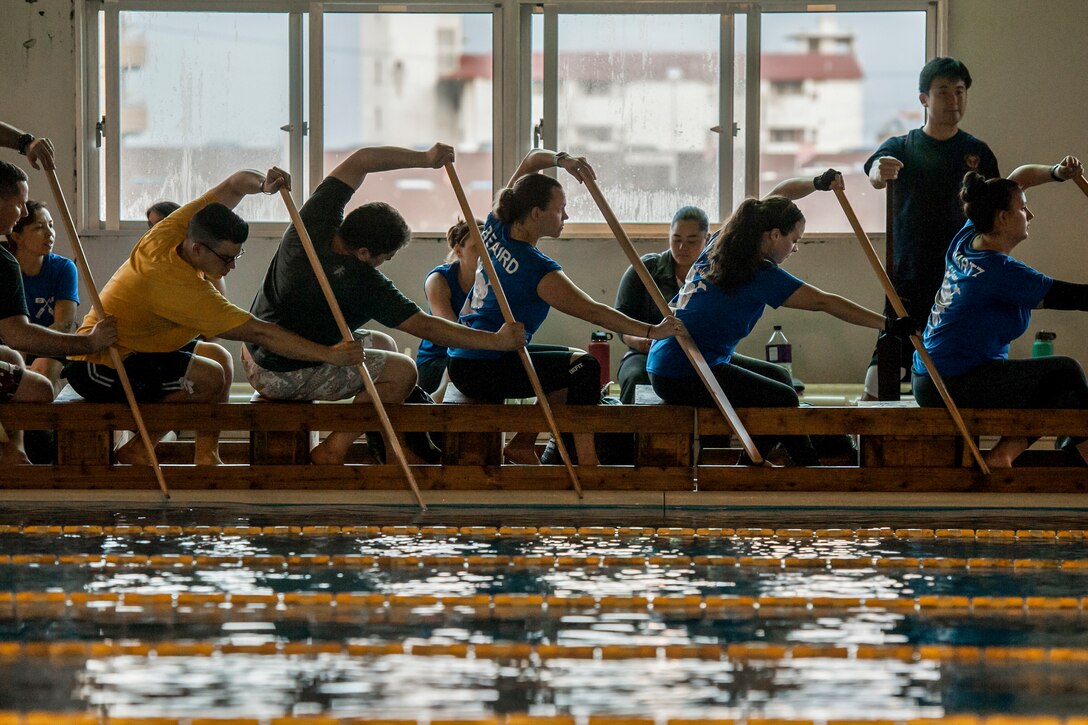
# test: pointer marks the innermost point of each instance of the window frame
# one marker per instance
(511, 88)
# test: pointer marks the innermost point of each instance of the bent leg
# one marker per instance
(19, 385)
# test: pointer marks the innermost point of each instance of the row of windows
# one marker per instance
(186, 95)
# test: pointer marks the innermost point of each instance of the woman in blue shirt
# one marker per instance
(533, 206)
(49, 282)
(985, 303)
(734, 279)
(447, 287)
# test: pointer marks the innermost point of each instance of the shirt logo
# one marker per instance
(972, 162)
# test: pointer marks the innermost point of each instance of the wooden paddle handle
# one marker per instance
(1080, 181)
(347, 334)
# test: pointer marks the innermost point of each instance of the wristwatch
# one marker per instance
(24, 143)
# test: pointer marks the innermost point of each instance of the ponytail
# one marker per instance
(736, 256)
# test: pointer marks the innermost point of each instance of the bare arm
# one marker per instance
(800, 187)
(558, 291)
(1030, 175)
(288, 344)
(811, 298)
(438, 297)
(64, 316)
(450, 334)
(540, 159)
(354, 168)
(39, 153)
(241, 184)
(19, 333)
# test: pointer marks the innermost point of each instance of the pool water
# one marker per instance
(380, 614)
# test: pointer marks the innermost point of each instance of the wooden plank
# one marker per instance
(907, 480)
(349, 477)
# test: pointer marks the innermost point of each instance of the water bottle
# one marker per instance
(600, 349)
(779, 350)
(1044, 344)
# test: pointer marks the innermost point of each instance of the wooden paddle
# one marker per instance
(96, 303)
(345, 331)
(1082, 183)
(508, 315)
(916, 340)
(686, 343)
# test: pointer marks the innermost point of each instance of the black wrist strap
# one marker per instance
(24, 142)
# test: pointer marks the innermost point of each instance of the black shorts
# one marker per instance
(153, 376)
(10, 377)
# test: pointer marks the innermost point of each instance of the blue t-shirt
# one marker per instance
(520, 267)
(427, 349)
(716, 319)
(984, 303)
(57, 280)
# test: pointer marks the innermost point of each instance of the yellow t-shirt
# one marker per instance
(160, 301)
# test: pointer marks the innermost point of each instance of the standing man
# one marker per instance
(928, 165)
(164, 296)
(351, 249)
(16, 382)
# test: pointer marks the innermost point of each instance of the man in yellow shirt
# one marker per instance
(165, 296)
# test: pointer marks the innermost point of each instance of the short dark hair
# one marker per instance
(693, 214)
(983, 198)
(376, 227)
(532, 191)
(32, 208)
(162, 208)
(10, 176)
(943, 68)
(216, 223)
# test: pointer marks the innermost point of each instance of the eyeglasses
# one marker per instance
(222, 257)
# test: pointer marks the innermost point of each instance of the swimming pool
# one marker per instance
(378, 613)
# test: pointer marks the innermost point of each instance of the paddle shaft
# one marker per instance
(686, 343)
(346, 333)
(508, 315)
(916, 340)
(96, 303)
(1082, 183)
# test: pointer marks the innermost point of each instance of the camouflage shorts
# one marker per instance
(10, 377)
(323, 382)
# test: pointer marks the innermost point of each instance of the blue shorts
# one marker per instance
(153, 376)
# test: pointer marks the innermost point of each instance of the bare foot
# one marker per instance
(521, 455)
(320, 455)
(14, 457)
(998, 461)
(133, 453)
(211, 459)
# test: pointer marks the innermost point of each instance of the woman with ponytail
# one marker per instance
(533, 206)
(985, 303)
(446, 286)
(736, 277)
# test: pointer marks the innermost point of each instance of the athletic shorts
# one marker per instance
(10, 377)
(321, 382)
(153, 376)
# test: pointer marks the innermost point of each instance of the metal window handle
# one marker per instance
(290, 127)
(99, 132)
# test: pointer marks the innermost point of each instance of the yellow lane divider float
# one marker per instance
(737, 652)
(514, 532)
(350, 606)
(70, 718)
(489, 562)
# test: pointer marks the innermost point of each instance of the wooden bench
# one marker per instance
(909, 449)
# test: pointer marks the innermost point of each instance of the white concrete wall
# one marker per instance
(1027, 102)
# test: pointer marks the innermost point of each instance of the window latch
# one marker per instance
(290, 128)
(538, 133)
(99, 131)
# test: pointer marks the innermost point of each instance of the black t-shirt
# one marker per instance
(927, 208)
(291, 297)
(12, 298)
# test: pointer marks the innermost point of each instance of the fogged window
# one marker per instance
(640, 106)
(833, 87)
(411, 79)
(202, 96)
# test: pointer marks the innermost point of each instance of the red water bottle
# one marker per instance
(600, 349)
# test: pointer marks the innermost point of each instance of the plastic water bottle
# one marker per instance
(1044, 344)
(779, 350)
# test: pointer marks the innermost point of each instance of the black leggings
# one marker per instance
(748, 383)
(1040, 382)
(557, 366)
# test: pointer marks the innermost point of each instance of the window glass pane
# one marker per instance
(640, 110)
(834, 85)
(202, 96)
(411, 79)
